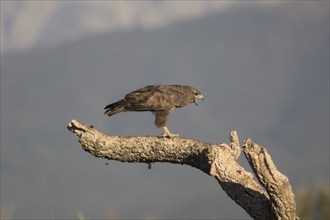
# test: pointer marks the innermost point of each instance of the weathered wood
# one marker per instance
(217, 160)
(276, 183)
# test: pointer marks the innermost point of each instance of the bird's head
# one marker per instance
(196, 95)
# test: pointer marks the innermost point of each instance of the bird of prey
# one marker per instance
(158, 99)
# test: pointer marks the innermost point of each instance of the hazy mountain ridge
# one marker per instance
(263, 71)
(29, 24)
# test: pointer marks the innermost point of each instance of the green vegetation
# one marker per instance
(314, 203)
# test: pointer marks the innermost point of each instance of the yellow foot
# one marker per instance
(168, 134)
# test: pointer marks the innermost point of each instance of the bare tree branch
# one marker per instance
(218, 160)
(276, 183)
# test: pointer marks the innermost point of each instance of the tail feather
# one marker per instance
(115, 108)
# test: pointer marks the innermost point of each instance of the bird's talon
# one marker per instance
(170, 135)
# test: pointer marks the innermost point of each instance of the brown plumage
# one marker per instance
(158, 99)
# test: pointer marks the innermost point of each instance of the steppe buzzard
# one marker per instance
(158, 99)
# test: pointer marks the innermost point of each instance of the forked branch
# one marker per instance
(217, 160)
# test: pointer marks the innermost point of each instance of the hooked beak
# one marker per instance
(198, 97)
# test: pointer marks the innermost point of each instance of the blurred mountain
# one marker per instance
(29, 24)
(263, 70)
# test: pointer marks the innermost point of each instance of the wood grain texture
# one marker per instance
(216, 160)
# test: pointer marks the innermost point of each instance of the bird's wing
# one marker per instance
(152, 98)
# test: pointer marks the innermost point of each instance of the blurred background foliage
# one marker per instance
(313, 202)
(263, 67)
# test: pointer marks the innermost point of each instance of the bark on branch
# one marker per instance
(218, 160)
(276, 183)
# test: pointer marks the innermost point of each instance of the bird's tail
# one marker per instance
(115, 108)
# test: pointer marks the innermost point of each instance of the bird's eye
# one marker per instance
(196, 93)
